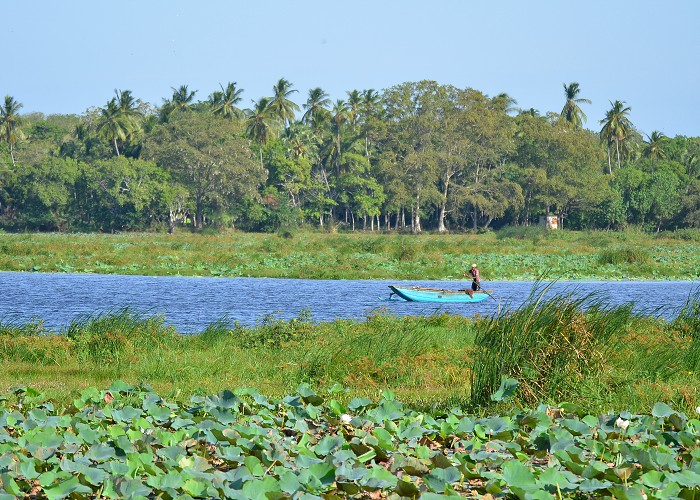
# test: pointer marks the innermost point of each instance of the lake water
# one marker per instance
(191, 304)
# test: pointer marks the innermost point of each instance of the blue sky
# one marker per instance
(67, 56)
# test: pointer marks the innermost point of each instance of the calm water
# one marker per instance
(190, 304)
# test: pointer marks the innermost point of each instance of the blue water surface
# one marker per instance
(191, 304)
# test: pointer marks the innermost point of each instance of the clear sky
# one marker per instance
(66, 56)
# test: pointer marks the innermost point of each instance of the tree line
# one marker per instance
(416, 156)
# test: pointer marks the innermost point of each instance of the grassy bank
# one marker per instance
(559, 349)
(513, 254)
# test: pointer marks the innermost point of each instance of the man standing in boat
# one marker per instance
(476, 279)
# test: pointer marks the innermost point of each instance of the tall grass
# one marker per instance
(118, 336)
(563, 348)
(687, 325)
(624, 255)
(550, 345)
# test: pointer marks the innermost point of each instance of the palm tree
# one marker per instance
(260, 123)
(113, 125)
(181, 100)
(370, 107)
(340, 113)
(616, 127)
(316, 107)
(354, 103)
(129, 109)
(224, 103)
(571, 111)
(280, 103)
(504, 103)
(529, 112)
(654, 147)
(10, 122)
(182, 97)
(127, 103)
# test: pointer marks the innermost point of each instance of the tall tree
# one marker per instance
(224, 103)
(182, 97)
(409, 150)
(10, 122)
(131, 110)
(209, 157)
(354, 102)
(654, 147)
(616, 128)
(504, 103)
(571, 111)
(280, 103)
(371, 105)
(113, 125)
(316, 107)
(340, 113)
(260, 123)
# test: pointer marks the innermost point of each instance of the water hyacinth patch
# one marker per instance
(128, 441)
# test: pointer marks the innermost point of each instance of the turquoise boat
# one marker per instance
(421, 294)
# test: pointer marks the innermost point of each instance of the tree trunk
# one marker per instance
(443, 208)
(415, 217)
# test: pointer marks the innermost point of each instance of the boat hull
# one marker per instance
(420, 294)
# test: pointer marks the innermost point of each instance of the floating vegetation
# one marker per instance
(130, 442)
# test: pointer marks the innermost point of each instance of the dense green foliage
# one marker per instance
(130, 442)
(415, 156)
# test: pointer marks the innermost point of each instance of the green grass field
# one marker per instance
(515, 254)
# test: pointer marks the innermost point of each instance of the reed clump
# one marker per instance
(551, 346)
(624, 255)
(118, 336)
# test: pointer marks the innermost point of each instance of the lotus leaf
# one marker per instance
(328, 445)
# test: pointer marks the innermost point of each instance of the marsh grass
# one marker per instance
(118, 336)
(624, 255)
(562, 348)
(512, 253)
(550, 345)
(687, 326)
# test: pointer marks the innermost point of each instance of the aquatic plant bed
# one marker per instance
(129, 442)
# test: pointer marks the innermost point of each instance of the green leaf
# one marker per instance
(258, 489)
(406, 489)
(506, 390)
(10, 486)
(196, 487)
(653, 479)
(359, 403)
(518, 475)
(438, 479)
(328, 445)
(385, 439)
(289, 483)
(662, 410)
(65, 488)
